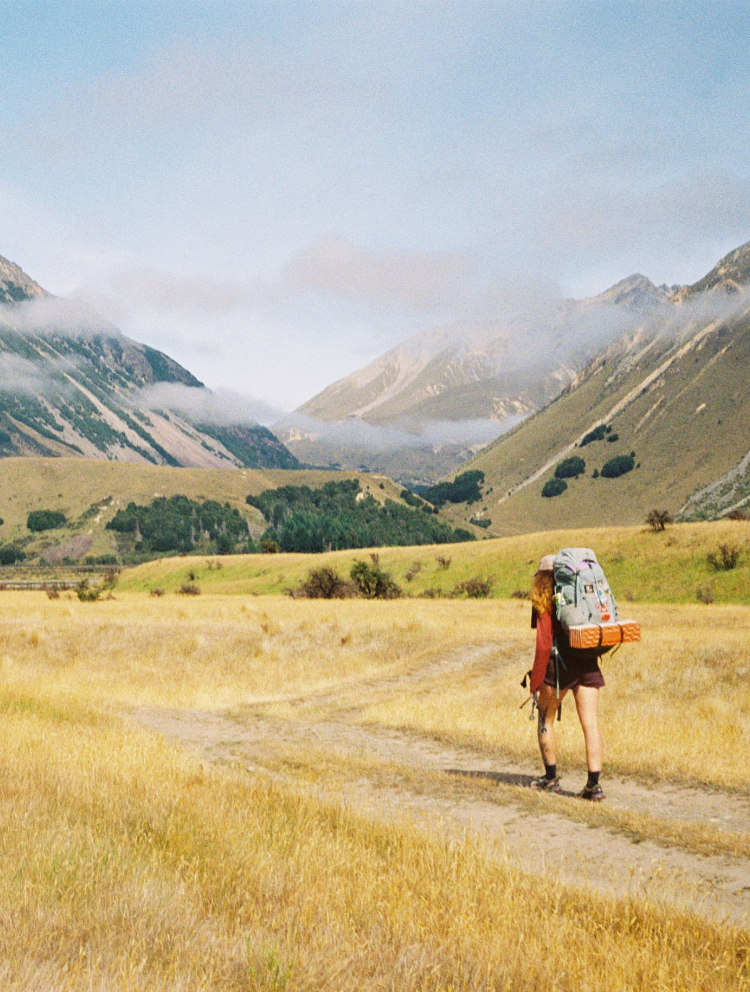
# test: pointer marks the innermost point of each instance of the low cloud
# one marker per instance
(204, 406)
(19, 375)
(356, 433)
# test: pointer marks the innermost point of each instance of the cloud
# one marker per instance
(19, 375)
(416, 280)
(204, 406)
(356, 433)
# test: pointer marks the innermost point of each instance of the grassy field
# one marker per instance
(642, 566)
(127, 864)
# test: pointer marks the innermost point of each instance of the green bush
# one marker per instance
(372, 582)
(39, 520)
(597, 434)
(570, 468)
(10, 554)
(554, 487)
(618, 466)
(463, 489)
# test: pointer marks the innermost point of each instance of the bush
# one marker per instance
(87, 593)
(52, 592)
(596, 435)
(613, 437)
(39, 520)
(463, 489)
(737, 515)
(704, 595)
(416, 567)
(324, 583)
(157, 592)
(10, 554)
(570, 468)
(443, 562)
(484, 522)
(618, 466)
(520, 594)
(373, 583)
(658, 520)
(189, 589)
(474, 588)
(553, 487)
(725, 558)
(410, 499)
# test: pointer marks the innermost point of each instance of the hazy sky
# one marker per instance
(276, 193)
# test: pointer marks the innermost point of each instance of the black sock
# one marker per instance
(593, 780)
(550, 771)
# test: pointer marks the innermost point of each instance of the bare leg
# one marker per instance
(587, 705)
(548, 705)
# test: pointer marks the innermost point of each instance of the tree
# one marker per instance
(658, 520)
(554, 487)
(618, 466)
(570, 468)
(39, 520)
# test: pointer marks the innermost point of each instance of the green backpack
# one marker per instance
(582, 593)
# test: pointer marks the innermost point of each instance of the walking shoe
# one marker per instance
(544, 784)
(594, 794)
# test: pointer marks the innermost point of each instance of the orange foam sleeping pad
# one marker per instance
(593, 635)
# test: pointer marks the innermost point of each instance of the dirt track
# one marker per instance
(387, 773)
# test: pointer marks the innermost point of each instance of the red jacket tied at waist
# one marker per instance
(543, 626)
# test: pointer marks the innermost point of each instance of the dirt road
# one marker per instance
(680, 845)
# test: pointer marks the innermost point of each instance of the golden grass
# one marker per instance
(128, 865)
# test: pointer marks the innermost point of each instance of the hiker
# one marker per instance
(557, 669)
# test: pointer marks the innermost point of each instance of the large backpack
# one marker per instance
(582, 593)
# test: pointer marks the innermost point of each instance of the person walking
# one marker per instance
(559, 669)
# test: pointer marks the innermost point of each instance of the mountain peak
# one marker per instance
(636, 294)
(729, 274)
(15, 285)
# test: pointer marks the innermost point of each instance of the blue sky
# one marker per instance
(276, 193)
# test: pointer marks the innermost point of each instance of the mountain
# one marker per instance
(500, 370)
(71, 384)
(673, 392)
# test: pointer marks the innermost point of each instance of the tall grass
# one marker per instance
(127, 865)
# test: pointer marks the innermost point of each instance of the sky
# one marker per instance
(276, 193)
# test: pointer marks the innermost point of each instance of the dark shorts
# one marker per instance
(576, 671)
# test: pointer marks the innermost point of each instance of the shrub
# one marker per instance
(484, 522)
(463, 489)
(618, 466)
(704, 595)
(1, 521)
(725, 558)
(189, 589)
(268, 546)
(373, 583)
(570, 468)
(658, 520)
(520, 594)
(474, 588)
(595, 474)
(596, 435)
(416, 567)
(52, 592)
(10, 554)
(39, 520)
(158, 592)
(324, 583)
(613, 437)
(87, 593)
(443, 562)
(737, 515)
(410, 499)
(553, 487)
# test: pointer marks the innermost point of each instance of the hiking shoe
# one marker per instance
(544, 784)
(595, 794)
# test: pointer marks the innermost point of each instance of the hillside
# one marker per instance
(72, 384)
(670, 567)
(89, 492)
(675, 392)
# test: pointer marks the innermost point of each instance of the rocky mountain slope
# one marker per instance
(70, 385)
(670, 400)
(498, 370)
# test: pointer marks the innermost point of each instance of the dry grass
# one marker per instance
(125, 864)
(130, 866)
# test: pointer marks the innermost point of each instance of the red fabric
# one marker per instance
(543, 648)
